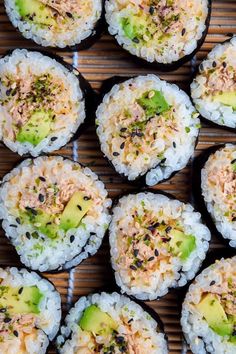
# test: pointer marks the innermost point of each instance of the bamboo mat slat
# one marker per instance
(98, 63)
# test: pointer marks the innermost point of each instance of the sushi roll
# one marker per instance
(214, 88)
(43, 103)
(217, 171)
(57, 23)
(166, 33)
(156, 243)
(30, 312)
(111, 323)
(147, 129)
(208, 315)
(52, 205)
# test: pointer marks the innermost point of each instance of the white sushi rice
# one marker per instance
(36, 253)
(22, 63)
(213, 192)
(176, 151)
(47, 321)
(172, 272)
(121, 309)
(216, 112)
(61, 36)
(201, 338)
(167, 51)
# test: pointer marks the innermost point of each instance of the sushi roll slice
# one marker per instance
(217, 171)
(147, 128)
(43, 103)
(156, 243)
(166, 33)
(52, 205)
(30, 312)
(111, 323)
(57, 23)
(208, 315)
(214, 88)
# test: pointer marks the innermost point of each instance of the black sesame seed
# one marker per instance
(168, 229)
(86, 198)
(18, 221)
(123, 349)
(136, 252)
(116, 153)
(28, 235)
(131, 320)
(233, 161)
(7, 320)
(20, 290)
(69, 14)
(123, 130)
(2, 310)
(139, 134)
(183, 31)
(8, 92)
(156, 253)
(139, 264)
(15, 333)
(163, 160)
(214, 64)
(122, 146)
(133, 267)
(212, 283)
(234, 218)
(224, 64)
(174, 144)
(151, 10)
(135, 40)
(12, 225)
(72, 238)
(41, 198)
(54, 138)
(120, 339)
(151, 259)
(79, 207)
(33, 211)
(234, 333)
(42, 179)
(201, 67)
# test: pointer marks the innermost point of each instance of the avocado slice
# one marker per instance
(153, 102)
(181, 245)
(20, 300)
(75, 210)
(36, 129)
(226, 98)
(213, 312)
(42, 221)
(134, 27)
(96, 321)
(34, 10)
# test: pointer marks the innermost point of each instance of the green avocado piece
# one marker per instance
(226, 98)
(20, 300)
(36, 129)
(96, 321)
(75, 210)
(42, 221)
(134, 27)
(153, 102)
(34, 10)
(181, 245)
(213, 312)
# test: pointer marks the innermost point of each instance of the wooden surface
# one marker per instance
(100, 62)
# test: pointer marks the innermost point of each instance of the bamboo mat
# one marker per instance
(100, 62)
